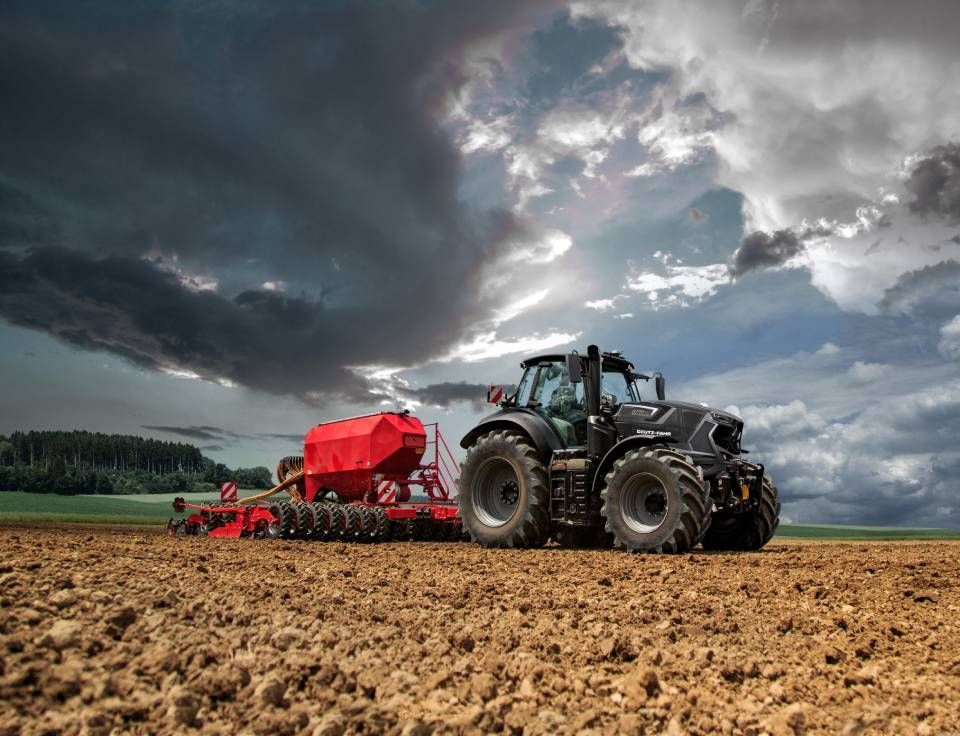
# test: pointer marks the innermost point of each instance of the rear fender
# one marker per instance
(539, 431)
(619, 450)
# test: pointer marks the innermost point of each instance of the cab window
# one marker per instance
(617, 385)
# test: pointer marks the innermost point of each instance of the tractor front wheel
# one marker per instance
(746, 532)
(503, 492)
(655, 500)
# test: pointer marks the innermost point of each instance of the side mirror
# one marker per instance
(661, 383)
(574, 368)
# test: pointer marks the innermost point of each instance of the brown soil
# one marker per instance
(123, 631)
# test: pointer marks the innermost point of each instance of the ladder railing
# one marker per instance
(444, 463)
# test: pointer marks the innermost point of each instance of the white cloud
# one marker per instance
(861, 372)
(813, 112)
(487, 136)
(516, 308)
(604, 305)
(950, 339)
(487, 345)
(542, 247)
(681, 286)
(275, 285)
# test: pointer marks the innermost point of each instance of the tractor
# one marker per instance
(578, 455)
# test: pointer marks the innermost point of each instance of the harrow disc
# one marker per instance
(401, 530)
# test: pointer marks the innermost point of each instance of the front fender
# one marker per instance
(541, 432)
(619, 450)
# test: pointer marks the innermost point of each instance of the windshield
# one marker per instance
(617, 385)
(547, 386)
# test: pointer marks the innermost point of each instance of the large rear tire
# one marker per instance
(746, 532)
(655, 500)
(503, 492)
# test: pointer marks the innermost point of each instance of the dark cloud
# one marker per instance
(212, 448)
(697, 216)
(932, 292)
(196, 433)
(765, 250)
(935, 183)
(237, 143)
(444, 394)
(286, 437)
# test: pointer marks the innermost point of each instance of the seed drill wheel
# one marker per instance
(338, 521)
(503, 492)
(322, 527)
(746, 532)
(281, 526)
(383, 524)
(368, 523)
(305, 520)
(655, 501)
(352, 524)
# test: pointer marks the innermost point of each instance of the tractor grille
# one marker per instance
(727, 438)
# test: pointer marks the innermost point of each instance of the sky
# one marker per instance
(227, 222)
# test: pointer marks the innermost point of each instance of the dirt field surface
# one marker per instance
(119, 631)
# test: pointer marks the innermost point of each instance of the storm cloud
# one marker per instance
(932, 292)
(765, 250)
(242, 194)
(448, 392)
(934, 183)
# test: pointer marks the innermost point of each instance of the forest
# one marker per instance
(80, 462)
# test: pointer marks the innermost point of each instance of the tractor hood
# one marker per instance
(642, 409)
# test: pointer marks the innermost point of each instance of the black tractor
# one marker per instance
(577, 455)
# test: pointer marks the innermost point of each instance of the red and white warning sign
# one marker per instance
(386, 491)
(228, 491)
(494, 394)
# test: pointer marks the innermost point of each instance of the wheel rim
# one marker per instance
(496, 492)
(644, 503)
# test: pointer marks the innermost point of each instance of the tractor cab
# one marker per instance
(552, 386)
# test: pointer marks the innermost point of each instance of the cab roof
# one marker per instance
(617, 362)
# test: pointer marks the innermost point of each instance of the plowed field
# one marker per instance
(118, 630)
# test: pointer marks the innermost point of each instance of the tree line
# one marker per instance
(80, 462)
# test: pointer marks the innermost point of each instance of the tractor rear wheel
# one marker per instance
(282, 524)
(655, 500)
(746, 532)
(503, 492)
